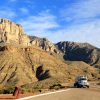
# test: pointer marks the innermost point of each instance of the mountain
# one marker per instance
(44, 44)
(26, 65)
(28, 59)
(12, 33)
(80, 52)
(71, 51)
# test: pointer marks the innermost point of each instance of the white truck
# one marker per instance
(81, 81)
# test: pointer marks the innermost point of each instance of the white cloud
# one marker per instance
(40, 23)
(82, 9)
(24, 10)
(85, 26)
(7, 13)
(87, 32)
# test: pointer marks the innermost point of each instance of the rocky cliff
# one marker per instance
(22, 60)
(72, 51)
(44, 44)
(80, 52)
(12, 33)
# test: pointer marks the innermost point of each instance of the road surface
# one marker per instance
(71, 94)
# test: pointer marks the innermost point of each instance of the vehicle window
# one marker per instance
(83, 79)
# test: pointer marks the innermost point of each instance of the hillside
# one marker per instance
(26, 65)
(27, 60)
(71, 51)
(44, 44)
(74, 51)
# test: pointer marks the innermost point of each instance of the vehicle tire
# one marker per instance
(81, 86)
(87, 86)
(78, 86)
(74, 85)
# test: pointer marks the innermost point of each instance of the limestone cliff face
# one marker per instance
(43, 43)
(12, 33)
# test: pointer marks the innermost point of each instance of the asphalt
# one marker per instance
(71, 94)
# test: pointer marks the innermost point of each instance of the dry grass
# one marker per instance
(19, 66)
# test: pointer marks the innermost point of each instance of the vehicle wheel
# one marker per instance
(78, 86)
(75, 85)
(81, 86)
(87, 86)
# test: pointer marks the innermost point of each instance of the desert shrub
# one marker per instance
(23, 90)
(56, 86)
(1, 91)
(39, 86)
(8, 90)
(32, 89)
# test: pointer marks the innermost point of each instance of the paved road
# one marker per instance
(72, 94)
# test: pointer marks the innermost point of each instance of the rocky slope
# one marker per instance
(44, 44)
(19, 66)
(22, 61)
(80, 52)
(69, 50)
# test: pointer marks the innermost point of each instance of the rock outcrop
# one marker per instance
(80, 52)
(22, 60)
(44, 44)
(12, 33)
(72, 51)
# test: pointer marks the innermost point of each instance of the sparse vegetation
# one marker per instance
(29, 68)
(24, 64)
(7, 90)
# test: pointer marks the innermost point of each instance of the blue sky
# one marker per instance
(57, 20)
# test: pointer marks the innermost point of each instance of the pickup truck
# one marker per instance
(81, 81)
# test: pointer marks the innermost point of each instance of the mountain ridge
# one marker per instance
(85, 51)
(80, 52)
(27, 59)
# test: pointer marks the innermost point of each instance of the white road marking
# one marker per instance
(25, 98)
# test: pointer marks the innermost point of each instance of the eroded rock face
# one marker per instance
(19, 66)
(43, 43)
(79, 52)
(12, 33)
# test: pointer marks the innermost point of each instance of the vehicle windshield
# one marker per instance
(83, 79)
